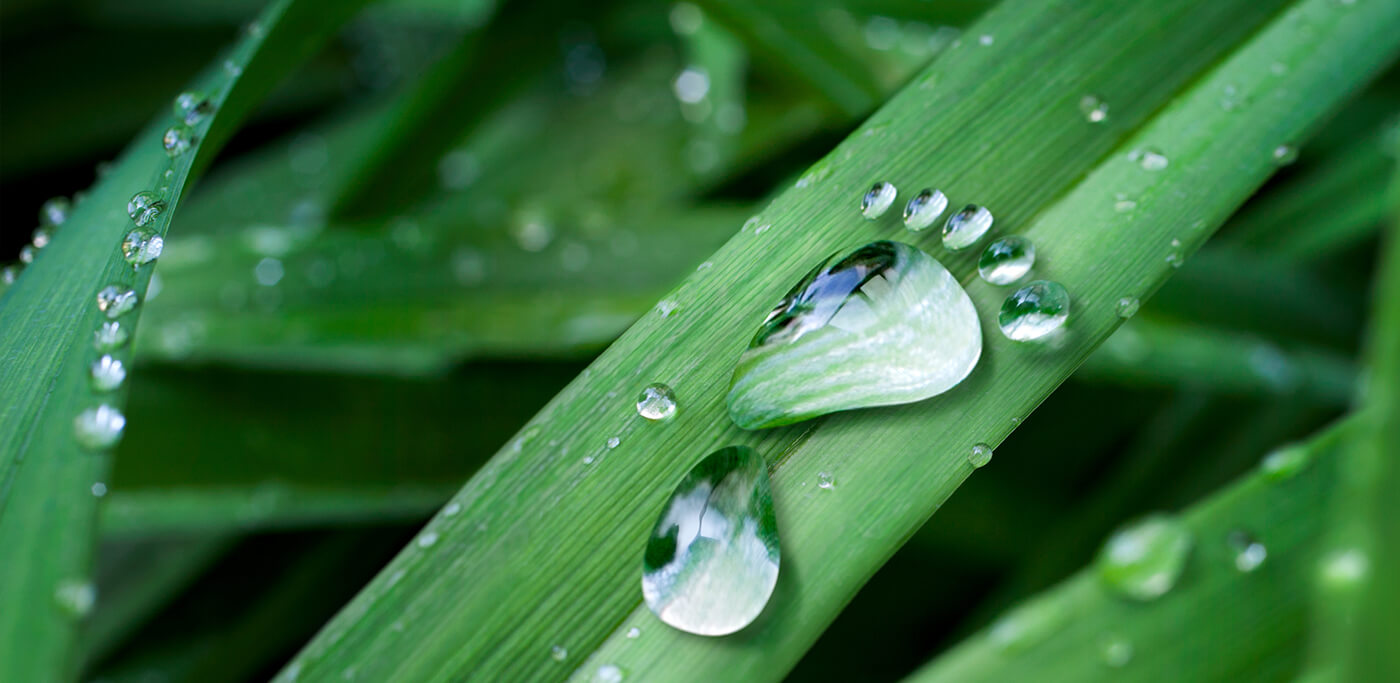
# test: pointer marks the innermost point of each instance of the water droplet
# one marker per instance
(890, 316)
(666, 307)
(1093, 109)
(712, 560)
(1285, 155)
(924, 209)
(878, 200)
(27, 254)
(76, 597)
(1006, 260)
(1034, 311)
(191, 106)
(109, 336)
(107, 373)
(965, 227)
(427, 539)
(985, 39)
(1345, 568)
(608, 673)
(1115, 651)
(1027, 625)
(1123, 204)
(55, 211)
(98, 489)
(177, 139)
(1150, 159)
(613, 442)
(1144, 561)
(458, 169)
(634, 633)
(825, 481)
(9, 274)
(144, 207)
(1127, 307)
(1283, 463)
(141, 247)
(116, 301)
(692, 85)
(686, 18)
(656, 402)
(980, 455)
(558, 653)
(268, 272)
(41, 237)
(1249, 552)
(232, 68)
(98, 428)
(532, 234)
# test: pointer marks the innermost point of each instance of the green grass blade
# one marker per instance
(47, 319)
(485, 598)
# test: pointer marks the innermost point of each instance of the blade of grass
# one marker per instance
(47, 320)
(578, 591)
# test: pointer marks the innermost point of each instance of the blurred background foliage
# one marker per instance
(435, 224)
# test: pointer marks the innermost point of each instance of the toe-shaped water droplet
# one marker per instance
(1006, 260)
(712, 560)
(924, 209)
(883, 325)
(1144, 561)
(965, 227)
(878, 200)
(1034, 311)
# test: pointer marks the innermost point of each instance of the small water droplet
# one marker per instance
(980, 455)
(141, 247)
(1285, 155)
(177, 139)
(1150, 159)
(825, 481)
(692, 85)
(98, 428)
(1034, 311)
(427, 539)
(27, 254)
(965, 227)
(1027, 625)
(1127, 307)
(666, 307)
(144, 207)
(1278, 68)
(451, 509)
(1143, 561)
(98, 489)
(608, 673)
(116, 301)
(924, 209)
(268, 272)
(1006, 260)
(712, 560)
(9, 274)
(109, 336)
(1093, 109)
(55, 211)
(41, 237)
(985, 39)
(1115, 651)
(1123, 204)
(232, 68)
(613, 442)
(558, 653)
(76, 597)
(1344, 569)
(877, 200)
(1285, 462)
(532, 234)
(656, 402)
(686, 18)
(634, 633)
(107, 373)
(191, 106)
(1249, 553)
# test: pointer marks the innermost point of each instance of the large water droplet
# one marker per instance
(177, 139)
(980, 455)
(107, 373)
(1144, 561)
(109, 336)
(1006, 260)
(191, 106)
(55, 211)
(98, 428)
(878, 200)
(712, 560)
(656, 402)
(144, 207)
(883, 325)
(1093, 109)
(965, 227)
(1034, 311)
(924, 209)
(1249, 553)
(115, 301)
(141, 247)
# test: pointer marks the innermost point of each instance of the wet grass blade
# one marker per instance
(486, 598)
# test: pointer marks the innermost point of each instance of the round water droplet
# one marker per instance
(980, 455)
(41, 237)
(98, 428)
(608, 673)
(825, 481)
(144, 207)
(107, 373)
(692, 86)
(656, 402)
(532, 234)
(427, 539)
(986, 39)
(1144, 561)
(75, 597)
(558, 653)
(1034, 311)
(1151, 159)
(191, 106)
(1115, 651)
(1006, 260)
(1248, 552)
(878, 200)
(1284, 463)
(9, 274)
(27, 254)
(98, 489)
(55, 211)
(115, 301)
(1285, 155)
(177, 139)
(1344, 569)
(965, 227)
(109, 337)
(634, 633)
(924, 209)
(1127, 307)
(613, 442)
(141, 247)
(712, 560)
(1093, 109)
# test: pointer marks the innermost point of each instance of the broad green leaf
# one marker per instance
(542, 547)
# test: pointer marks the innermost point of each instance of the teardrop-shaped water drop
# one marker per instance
(109, 337)
(141, 247)
(98, 428)
(883, 325)
(924, 209)
(878, 200)
(965, 227)
(144, 207)
(980, 455)
(115, 301)
(1249, 553)
(1127, 307)
(1143, 561)
(191, 106)
(177, 139)
(55, 211)
(107, 373)
(1034, 311)
(656, 402)
(1006, 260)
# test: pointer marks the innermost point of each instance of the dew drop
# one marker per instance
(75, 597)
(9, 274)
(712, 560)
(427, 539)
(451, 509)
(107, 373)
(1034, 311)
(825, 481)
(1344, 569)
(980, 455)
(1285, 155)
(608, 673)
(558, 653)
(232, 68)
(98, 428)
(1249, 553)
(965, 227)
(613, 442)
(41, 237)
(924, 209)
(109, 336)
(877, 200)
(98, 489)
(1283, 463)
(1123, 204)
(1143, 561)
(532, 234)
(191, 106)
(1027, 625)
(116, 301)
(177, 139)
(1150, 159)
(1115, 651)
(986, 39)
(634, 633)
(27, 254)
(692, 86)
(1006, 260)
(656, 402)
(144, 207)
(141, 247)
(1093, 109)
(686, 18)
(1127, 307)
(268, 272)
(55, 211)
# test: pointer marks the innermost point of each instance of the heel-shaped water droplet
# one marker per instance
(712, 560)
(884, 325)
(1006, 260)
(1034, 311)
(1144, 561)
(878, 200)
